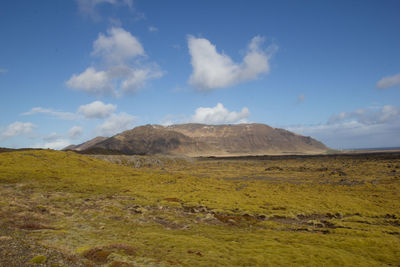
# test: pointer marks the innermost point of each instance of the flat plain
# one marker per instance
(66, 209)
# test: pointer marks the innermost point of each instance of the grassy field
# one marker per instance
(66, 209)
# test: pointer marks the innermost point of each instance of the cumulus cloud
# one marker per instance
(116, 123)
(92, 82)
(97, 110)
(17, 128)
(363, 128)
(212, 69)
(122, 69)
(389, 81)
(59, 114)
(117, 47)
(75, 132)
(88, 7)
(219, 114)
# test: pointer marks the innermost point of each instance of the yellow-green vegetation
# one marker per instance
(314, 211)
(38, 259)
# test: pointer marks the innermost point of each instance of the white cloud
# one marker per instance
(17, 128)
(116, 123)
(3, 70)
(118, 47)
(363, 128)
(92, 82)
(53, 141)
(121, 72)
(173, 119)
(389, 81)
(138, 78)
(97, 110)
(168, 120)
(213, 70)
(55, 144)
(386, 114)
(301, 98)
(60, 114)
(153, 29)
(75, 132)
(59, 141)
(219, 114)
(88, 7)
(51, 137)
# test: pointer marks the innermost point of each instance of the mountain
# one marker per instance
(204, 140)
(87, 144)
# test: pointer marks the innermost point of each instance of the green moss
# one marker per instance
(207, 212)
(38, 259)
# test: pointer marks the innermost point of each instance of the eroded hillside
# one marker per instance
(204, 140)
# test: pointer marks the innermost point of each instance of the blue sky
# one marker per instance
(73, 70)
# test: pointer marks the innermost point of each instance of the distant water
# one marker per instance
(375, 148)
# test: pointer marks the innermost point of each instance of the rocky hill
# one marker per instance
(87, 144)
(204, 140)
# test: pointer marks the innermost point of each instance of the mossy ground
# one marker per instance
(337, 210)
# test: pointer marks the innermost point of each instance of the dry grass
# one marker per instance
(301, 211)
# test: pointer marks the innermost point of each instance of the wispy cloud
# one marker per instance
(389, 81)
(152, 29)
(212, 69)
(171, 119)
(368, 116)
(17, 128)
(116, 123)
(60, 141)
(52, 137)
(368, 127)
(3, 71)
(55, 144)
(75, 132)
(110, 123)
(90, 7)
(94, 110)
(59, 114)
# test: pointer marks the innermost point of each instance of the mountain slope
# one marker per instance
(249, 138)
(150, 139)
(87, 144)
(205, 140)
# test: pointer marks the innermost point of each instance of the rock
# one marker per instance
(231, 221)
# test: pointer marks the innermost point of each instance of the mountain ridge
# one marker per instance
(194, 139)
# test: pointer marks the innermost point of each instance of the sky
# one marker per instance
(71, 70)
